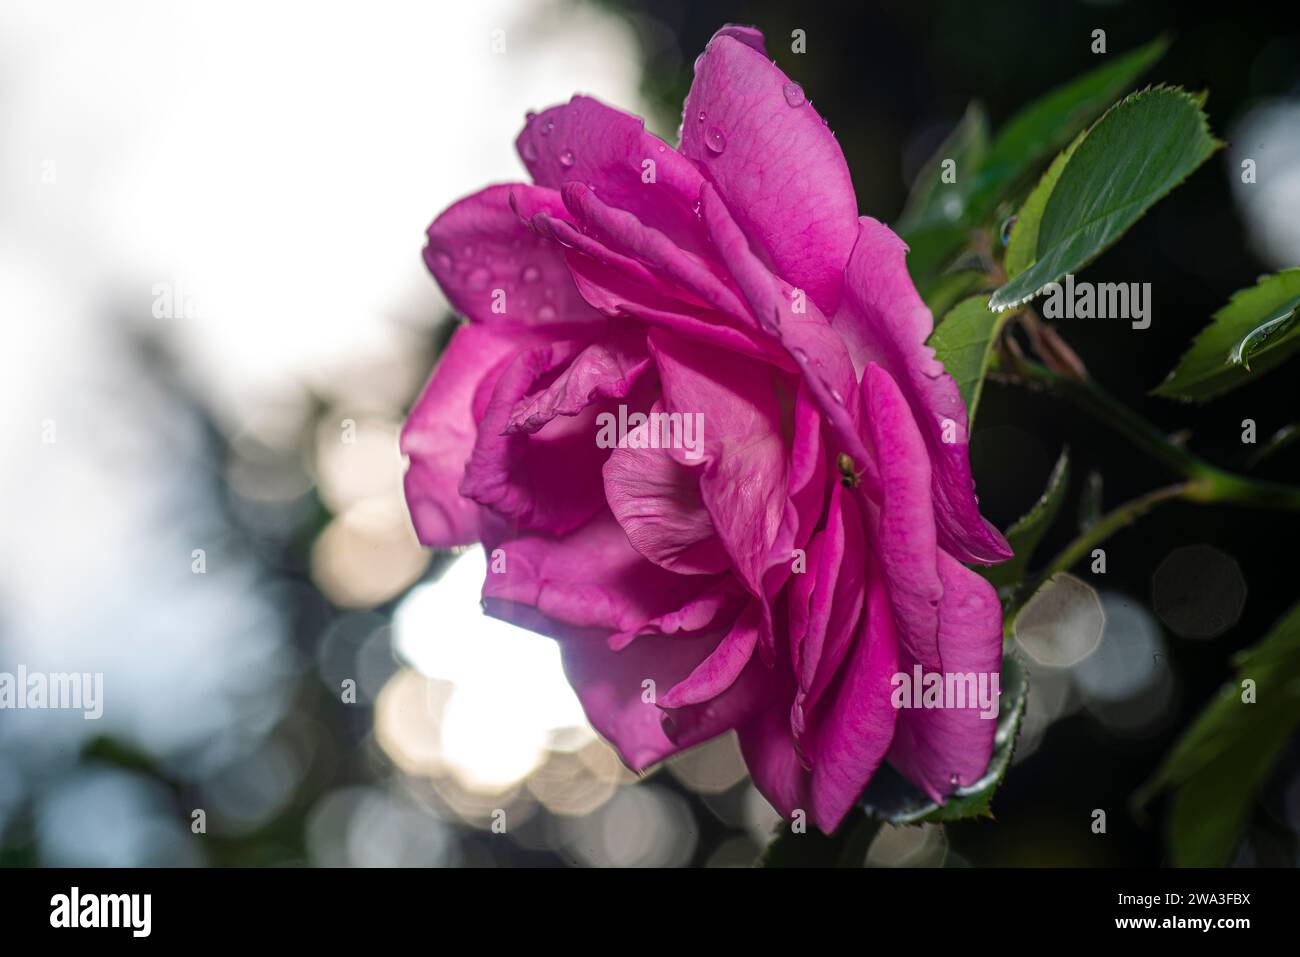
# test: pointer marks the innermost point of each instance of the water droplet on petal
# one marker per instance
(566, 158)
(794, 94)
(529, 116)
(714, 140)
(479, 278)
(531, 274)
(441, 261)
(701, 116)
(529, 151)
(545, 314)
(954, 779)
(547, 127)
(698, 60)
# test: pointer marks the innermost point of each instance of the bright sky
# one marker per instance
(279, 163)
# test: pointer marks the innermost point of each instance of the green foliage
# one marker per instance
(934, 201)
(1216, 769)
(1028, 530)
(963, 342)
(1141, 149)
(1050, 122)
(939, 217)
(947, 289)
(1022, 250)
(1255, 332)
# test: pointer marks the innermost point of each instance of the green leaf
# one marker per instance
(1256, 331)
(1219, 765)
(931, 248)
(932, 200)
(1028, 530)
(963, 342)
(1023, 247)
(947, 289)
(892, 799)
(1281, 439)
(1141, 149)
(1050, 122)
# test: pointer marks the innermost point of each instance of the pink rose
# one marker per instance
(799, 541)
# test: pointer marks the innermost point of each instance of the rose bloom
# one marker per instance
(771, 570)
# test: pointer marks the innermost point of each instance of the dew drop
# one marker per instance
(529, 151)
(547, 127)
(698, 60)
(1005, 232)
(531, 274)
(794, 94)
(529, 116)
(441, 261)
(714, 140)
(479, 278)
(566, 158)
(545, 314)
(954, 779)
(701, 116)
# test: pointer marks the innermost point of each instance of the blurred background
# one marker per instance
(216, 315)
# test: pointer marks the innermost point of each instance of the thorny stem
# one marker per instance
(1210, 483)
(1095, 534)
(1203, 483)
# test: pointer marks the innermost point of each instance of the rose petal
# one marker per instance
(439, 436)
(941, 749)
(484, 256)
(834, 618)
(796, 323)
(625, 233)
(613, 688)
(716, 607)
(605, 369)
(744, 481)
(767, 746)
(855, 724)
(585, 141)
(883, 320)
(719, 671)
(905, 533)
(777, 165)
(658, 502)
(549, 480)
(589, 579)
